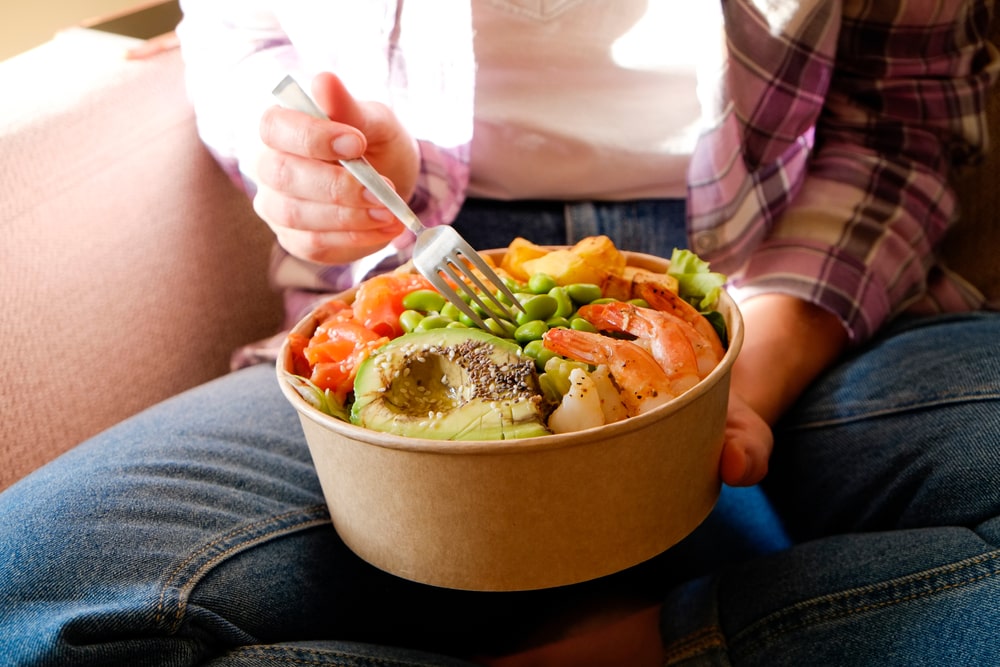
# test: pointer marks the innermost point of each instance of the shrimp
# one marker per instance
(580, 407)
(643, 384)
(666, 301)
(675, 344)
(611, 400)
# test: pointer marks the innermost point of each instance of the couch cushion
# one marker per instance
(131, 267)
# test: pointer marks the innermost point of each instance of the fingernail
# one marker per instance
(347, 144)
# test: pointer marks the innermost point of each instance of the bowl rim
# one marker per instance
(516, 445)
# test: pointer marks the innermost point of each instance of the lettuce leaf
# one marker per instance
(321, 399)
(696, 282)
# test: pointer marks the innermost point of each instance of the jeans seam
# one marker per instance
(280, 654)
(569, 224)
(258, 531)
(885, 412)
(694, 644)
(811, 607)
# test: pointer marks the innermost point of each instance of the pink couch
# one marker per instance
(130, 267)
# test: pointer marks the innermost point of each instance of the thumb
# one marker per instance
(387, 144)
(333, 97)
(748, 445)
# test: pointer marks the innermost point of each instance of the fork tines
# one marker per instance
(444, 251)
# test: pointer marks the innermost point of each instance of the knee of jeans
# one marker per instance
(936, 363)
(904, 433)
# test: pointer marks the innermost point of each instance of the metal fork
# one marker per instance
(438, 250)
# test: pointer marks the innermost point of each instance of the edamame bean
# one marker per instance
(558, 369)
(641, 303)
(556, 322)
(491, 310)
(433, 322)
(424, 300)
(541, 283)
(580, 324)
(549, 389)
(559, 384)
(530, 331)
(537, 307)
(503, 298)
(451, 310)
(584, 293)
(564, 307)
(536, 350)
(563, 366)
(410, 319)
(499, 327)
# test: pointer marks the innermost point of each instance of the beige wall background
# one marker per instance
(24, 25)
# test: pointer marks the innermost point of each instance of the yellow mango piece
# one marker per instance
(518, 252)
(565, 267)
(600, 251)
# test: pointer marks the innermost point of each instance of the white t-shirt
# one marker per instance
(606, 94)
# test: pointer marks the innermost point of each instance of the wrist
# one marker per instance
(788, 342)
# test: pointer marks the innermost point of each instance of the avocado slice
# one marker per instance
(450, 384)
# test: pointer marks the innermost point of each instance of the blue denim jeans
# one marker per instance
(195, 533)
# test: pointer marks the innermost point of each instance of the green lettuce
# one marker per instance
(696, 282)
(700, 286)
(321, 399)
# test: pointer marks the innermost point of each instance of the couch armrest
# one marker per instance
(131, 267)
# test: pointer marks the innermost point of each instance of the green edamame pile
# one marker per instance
(546, 305)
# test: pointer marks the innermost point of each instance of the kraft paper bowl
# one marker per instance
(524, 514)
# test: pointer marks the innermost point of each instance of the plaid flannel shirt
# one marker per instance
(824, 175)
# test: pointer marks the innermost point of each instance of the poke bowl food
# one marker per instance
(577, 440)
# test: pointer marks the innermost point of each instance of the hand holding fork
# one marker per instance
(440, 254)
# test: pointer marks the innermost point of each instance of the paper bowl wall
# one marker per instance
(524, 514)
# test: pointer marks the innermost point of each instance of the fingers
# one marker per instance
(300, 134)
(312, 195)
(742, 465)
(318, 211)
(303, 214)
(304, 178)
(341, 136)
(333, 247)
(391, 149)
(747, 447)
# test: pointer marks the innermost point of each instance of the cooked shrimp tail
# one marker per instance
(662, 299)
(643, 384)
(679, 348)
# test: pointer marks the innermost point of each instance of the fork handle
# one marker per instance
(292, 96)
